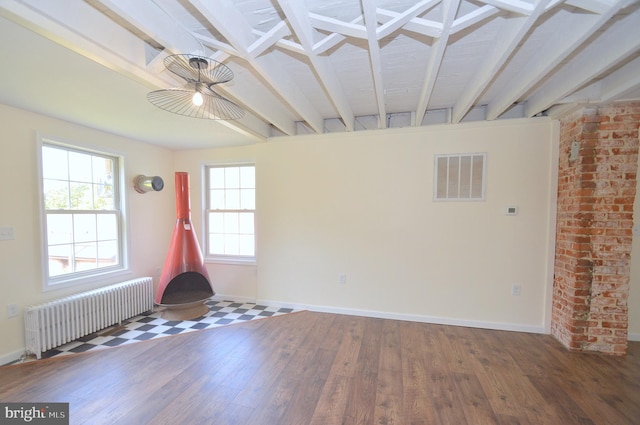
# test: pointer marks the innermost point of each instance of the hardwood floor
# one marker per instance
(324, 369)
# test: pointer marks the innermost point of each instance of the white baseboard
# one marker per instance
(633, 337)
(224, 297)
(11, 357)
(412, 317)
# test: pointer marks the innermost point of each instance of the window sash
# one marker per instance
(83, 225)
(229, 215)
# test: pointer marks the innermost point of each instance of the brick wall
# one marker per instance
(596, 192)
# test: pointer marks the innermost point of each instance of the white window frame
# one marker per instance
(459, 198)
(92, 276)
(225, 258)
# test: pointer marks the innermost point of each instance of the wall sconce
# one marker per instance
(144, 184)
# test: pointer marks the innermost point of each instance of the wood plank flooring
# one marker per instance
(328, 369)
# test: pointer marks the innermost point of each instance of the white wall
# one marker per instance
(360, 204)
(151, 216)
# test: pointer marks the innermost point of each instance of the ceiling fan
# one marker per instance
(197, 97)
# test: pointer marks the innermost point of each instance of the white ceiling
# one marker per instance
(317, 66)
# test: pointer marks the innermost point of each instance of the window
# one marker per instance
(82, 214)
(230, 212)
(459, 177)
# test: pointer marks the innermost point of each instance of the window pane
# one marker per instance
(80, 169)
(86, 256)
(232, 199)
(232, 178)
(231, 224)
(102, 170)
(103, 195)
(108, 253)
(231, 244)
(247, 199)
(54, 163)
(246, 223)
(84, 227)
(56, 194)
(216, 244)
(246, 245)
(216, 199)
(59, 259)
(59, 229)
(107, 227)
(81, 196)
(216, 222)
(248, 177)
(216, 178)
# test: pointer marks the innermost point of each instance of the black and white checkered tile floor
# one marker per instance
(151, 325)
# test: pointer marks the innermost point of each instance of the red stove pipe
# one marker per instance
(184, 276)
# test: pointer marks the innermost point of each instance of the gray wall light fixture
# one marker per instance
(144, 184)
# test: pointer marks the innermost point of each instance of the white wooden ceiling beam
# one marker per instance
(227, 19)
(515, 6)
(334, 25)
(610, 48)
(472, 18)
(218, 45)
(513, 32)
(403, 18)
(154, 22)
(541, 65)
(279, 31)
(298, 17)
(450, 9)
(87, 32)
(332, 39)
(613, 87)
(594, 6)
(371, 23)
(418, 25)
(623, 81)
(283, 43)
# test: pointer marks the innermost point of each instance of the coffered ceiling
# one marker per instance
(317, 66)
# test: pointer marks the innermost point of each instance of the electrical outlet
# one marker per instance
(342, 279)
(12, 310)
(516, 290)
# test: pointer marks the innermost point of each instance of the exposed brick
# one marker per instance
(596, 193)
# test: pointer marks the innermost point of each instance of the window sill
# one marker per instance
(231, 261)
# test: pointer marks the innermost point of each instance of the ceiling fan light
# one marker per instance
(197, 99)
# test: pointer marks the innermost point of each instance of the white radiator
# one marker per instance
(60, 321)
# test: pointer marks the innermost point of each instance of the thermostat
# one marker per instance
(512, 210)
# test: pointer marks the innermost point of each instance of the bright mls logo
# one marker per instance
(34, 413)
